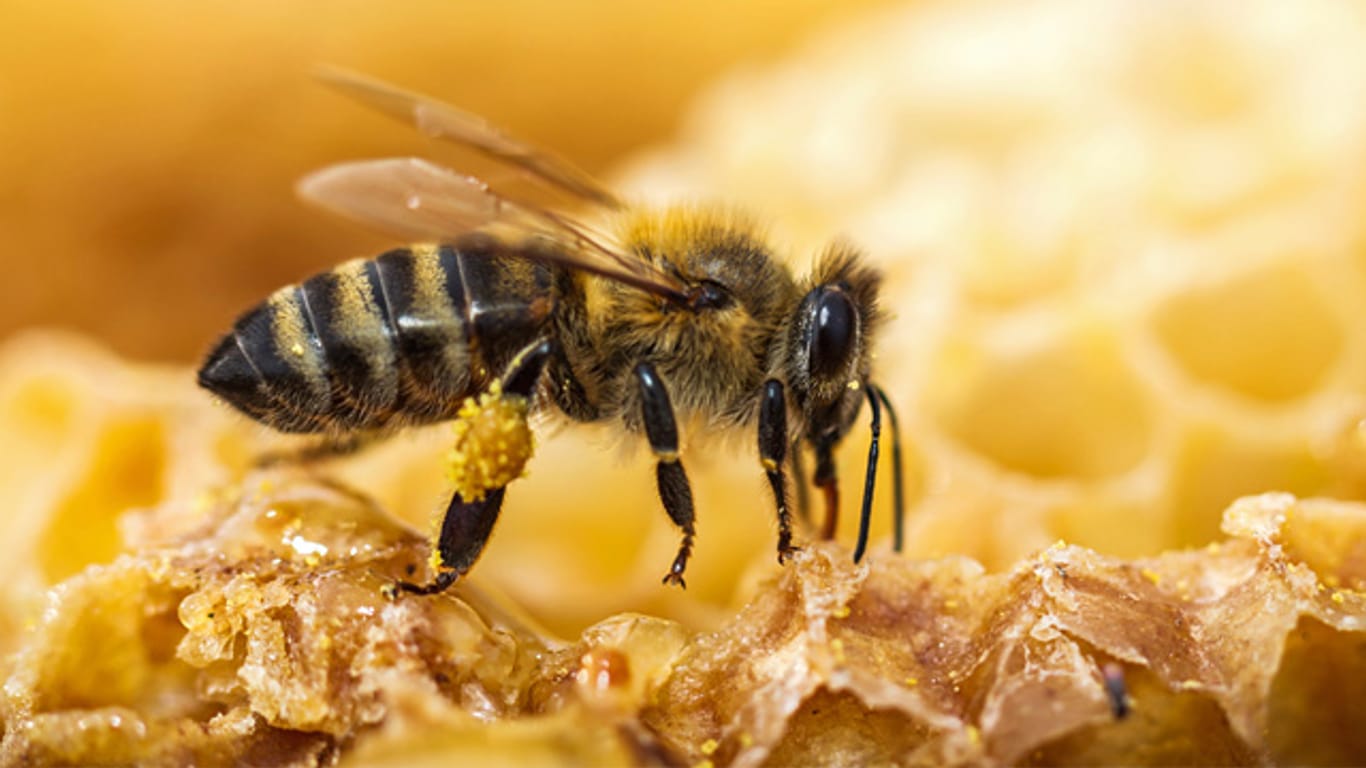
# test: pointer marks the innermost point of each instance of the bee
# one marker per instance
(684, 315)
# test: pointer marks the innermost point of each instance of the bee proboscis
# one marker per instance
(683, 311)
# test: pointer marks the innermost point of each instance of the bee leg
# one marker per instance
(898, 497)
(464, 532)
(772, 447)
(870, 478)
(824, 478)
(467, 524)
(674, 491)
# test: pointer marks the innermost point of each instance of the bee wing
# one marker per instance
(405, 196)
(443, 121)
(420, 201)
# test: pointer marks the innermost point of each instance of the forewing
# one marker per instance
(443, 121)
(407, 197)
(416, 200)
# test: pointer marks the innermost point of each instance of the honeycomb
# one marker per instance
(1122, 253)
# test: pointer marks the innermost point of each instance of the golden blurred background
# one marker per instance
(151, 146)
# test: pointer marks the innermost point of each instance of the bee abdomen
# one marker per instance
(271, 367)
(403, 338)
(323, 356)
(346, 310)
(425, 298)
(459, 314)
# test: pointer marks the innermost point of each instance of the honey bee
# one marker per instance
(683, 313)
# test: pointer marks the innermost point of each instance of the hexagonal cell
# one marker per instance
(1268, 334)
(1068, 407)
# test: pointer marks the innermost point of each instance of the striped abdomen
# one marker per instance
(400, 339)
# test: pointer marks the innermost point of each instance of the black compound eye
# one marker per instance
(833, 332)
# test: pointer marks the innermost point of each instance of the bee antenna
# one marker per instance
(898, 497)
(870, 479)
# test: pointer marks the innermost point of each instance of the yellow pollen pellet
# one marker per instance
(493, 442)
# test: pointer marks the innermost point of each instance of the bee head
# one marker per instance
(828, 341)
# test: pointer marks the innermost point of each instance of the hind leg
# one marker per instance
(466, 527)
(464, 532)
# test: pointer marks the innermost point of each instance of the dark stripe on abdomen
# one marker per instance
(509, 301)
(280, 344)
(432, 338)
(345, 307)
(228, 373)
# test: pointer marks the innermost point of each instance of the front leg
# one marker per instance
(662, 431)
(772, 450)
(825, 479)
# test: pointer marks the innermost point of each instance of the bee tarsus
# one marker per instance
(440, 584)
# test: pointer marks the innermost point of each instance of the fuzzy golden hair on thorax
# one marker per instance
(714, 243)
(687, 231)
(714, 358)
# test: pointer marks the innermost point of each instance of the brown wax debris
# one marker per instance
(265, 636)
